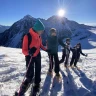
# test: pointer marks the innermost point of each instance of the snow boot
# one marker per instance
(36, 89)
(50, 72)
(22, 90)
(72, 66)
(58, 77)
(77, 67)
(66, 66)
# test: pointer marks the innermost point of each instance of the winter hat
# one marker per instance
(79, 44)
(38, 26)
(52, 30)
(68, 39)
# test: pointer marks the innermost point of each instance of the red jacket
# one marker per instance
(36, 42)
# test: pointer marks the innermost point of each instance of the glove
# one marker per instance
(86, 55)
(32, 51)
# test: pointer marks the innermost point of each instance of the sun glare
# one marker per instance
(61, 12)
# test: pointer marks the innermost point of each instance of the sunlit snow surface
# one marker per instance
(80, 82)
(74, 82)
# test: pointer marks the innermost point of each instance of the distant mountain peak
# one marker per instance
(28, 17)
(56, 17)
(3, 28)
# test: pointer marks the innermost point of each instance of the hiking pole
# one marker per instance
(16, 93)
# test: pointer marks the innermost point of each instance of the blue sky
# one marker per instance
(82, 11)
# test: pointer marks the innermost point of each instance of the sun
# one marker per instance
(61, 12)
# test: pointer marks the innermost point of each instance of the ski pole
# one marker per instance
(23, 78)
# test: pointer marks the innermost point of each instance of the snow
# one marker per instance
(86, 37)
(15, 39)
(74, 82)
(80, 82)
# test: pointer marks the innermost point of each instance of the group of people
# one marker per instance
(52, 45)
(33, 55)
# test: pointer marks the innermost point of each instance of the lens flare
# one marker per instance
(61, 12)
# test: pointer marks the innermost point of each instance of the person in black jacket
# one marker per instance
(65, 52)
(76, 54)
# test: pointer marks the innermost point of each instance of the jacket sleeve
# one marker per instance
(82, 52)
(61, 43)
(72, 49)
(25, 46)
(42, 47)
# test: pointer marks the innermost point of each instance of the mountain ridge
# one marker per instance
(13, 36)
(3, 28)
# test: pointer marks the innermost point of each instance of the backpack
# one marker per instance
(29, 39)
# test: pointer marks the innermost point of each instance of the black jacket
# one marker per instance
(65, 50)
(76, 52)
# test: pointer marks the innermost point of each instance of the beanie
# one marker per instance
(38, 26)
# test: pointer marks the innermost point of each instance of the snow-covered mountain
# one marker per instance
(74, 82)
(3, 28)
(65, 28)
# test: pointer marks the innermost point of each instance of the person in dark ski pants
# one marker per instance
(52, 45)
(76, 51)
(65, 52)
(34, 51)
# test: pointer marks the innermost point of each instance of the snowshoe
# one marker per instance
(77, 67)
(69, 66)
(50, 73)
(72, 66)
(66, 66)
(58, 77)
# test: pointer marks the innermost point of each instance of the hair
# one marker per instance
(79, 44)
(52, 30)
(67, 39)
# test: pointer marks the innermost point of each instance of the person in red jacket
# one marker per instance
(34, 51)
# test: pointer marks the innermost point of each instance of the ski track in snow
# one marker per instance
(74, 82)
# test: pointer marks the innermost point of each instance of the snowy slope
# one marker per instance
(80, 82)
(87, 39)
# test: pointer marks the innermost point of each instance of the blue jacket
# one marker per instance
(52, 44)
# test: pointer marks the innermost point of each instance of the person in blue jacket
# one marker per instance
(52, 45)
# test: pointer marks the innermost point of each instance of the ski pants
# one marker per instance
(74, 60)
(34, 70)
(51, 65)
(64, 55)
